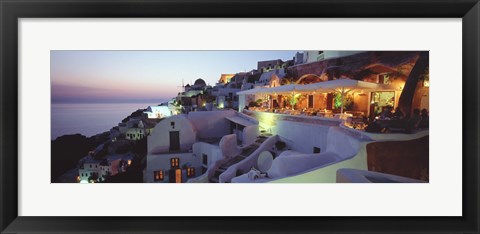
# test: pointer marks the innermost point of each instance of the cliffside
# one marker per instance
(68, 149)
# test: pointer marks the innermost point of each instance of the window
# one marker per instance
(380, 100)
(316, 150)
(172, 124)
(384, 79)
(310, 101)
(190, 172)
(204, 159)
(174, 162)
(158, 176)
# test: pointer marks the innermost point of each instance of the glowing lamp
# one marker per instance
(426, 83)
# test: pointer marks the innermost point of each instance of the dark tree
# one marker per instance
(406, 98)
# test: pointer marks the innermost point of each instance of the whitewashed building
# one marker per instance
(319, 55)
(130, 123)
(157, 112)
(136, 132)
(271, 78)
(92, 170)
(182, 147)
(226, 97)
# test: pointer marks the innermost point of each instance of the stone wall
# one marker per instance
(358, 66)
(403, 158)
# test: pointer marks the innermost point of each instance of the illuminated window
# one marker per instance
(190, 172)
(174, 162)
(310, 101)
(158, 176)
(384, 79)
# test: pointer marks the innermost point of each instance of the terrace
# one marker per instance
(355, 102)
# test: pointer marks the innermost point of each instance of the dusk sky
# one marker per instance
(140, 76)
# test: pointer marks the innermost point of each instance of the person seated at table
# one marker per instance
(414, 121)
(386, 113)
(424, 119)
(374, 127)
(398, 115)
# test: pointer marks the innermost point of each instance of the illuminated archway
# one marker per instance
(309, 79)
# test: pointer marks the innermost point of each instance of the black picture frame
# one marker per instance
(11, 11)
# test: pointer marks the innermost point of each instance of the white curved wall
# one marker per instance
(211, 124)
(340, 146)
(249, 162)
(213, 152)
(302, 137)
(250, 134)
(159, 140)
(293, 164)
(228, 146)
(328, 174)
(341, 143)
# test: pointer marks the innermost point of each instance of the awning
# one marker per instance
(343, 84)
(252, 91)
(346, 85)
(240, 120)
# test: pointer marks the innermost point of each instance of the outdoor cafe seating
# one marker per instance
(355, 119)
(325, 113)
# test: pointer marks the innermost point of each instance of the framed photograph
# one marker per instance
(227, 116)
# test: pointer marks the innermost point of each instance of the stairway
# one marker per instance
(236, 159)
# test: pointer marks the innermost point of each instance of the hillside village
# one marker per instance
(321, 117)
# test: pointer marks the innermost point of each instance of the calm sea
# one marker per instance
(90, 119)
